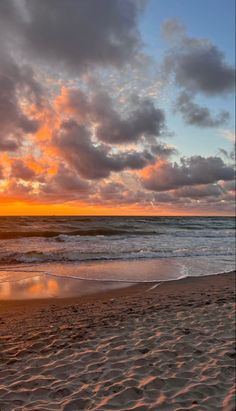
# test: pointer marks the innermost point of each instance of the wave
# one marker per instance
(79, 257)
(104, 232)
(7, 235)
(57, 227)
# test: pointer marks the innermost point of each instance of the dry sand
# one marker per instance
(170, 348)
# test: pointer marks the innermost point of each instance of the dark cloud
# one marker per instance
(22, 171)
(10, 22)
(7, 10)
(164, 197)
(198, 65)
(162, 150)
(228, 154)
(202, 69)
(196, 115)
(75, 102)
(77, 34)
(142, 118)
(116, 192)
(198, 192)
(192, 171)
(112, 191)
(65, 179)
(66, 185)
(94, 161)
(16, 84)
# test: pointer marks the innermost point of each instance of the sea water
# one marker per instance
(64, 256)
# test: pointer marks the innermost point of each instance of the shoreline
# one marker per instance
(40, 283)
(129, 289)
(166, 348)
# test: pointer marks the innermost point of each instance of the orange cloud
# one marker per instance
(33, 164)
(147, 171)
(44, 133)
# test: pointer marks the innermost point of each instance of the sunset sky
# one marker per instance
(117, 107)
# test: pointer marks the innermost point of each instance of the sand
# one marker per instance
(169, 348)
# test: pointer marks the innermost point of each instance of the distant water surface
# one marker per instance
(112, 248)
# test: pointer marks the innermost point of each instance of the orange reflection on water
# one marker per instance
(40, 288)
(5, 291)
(30, 288)
(43, 286)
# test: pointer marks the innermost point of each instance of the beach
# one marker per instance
(140, 348)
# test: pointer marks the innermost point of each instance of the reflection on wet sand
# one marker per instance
(43, 286)
(49, 280)
(55, 280)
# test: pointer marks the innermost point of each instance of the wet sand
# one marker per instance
(167, 348)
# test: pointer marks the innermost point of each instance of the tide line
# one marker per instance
(110, 280)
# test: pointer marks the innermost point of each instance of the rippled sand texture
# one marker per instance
(171, 348)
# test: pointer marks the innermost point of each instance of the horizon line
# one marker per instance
(117, 215)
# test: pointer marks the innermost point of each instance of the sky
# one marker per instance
(122, 107)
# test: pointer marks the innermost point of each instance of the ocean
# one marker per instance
(76, 255)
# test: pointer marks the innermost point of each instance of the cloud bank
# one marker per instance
(72, 133)
(197, 67)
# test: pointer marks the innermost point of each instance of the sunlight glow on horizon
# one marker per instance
(26, 209)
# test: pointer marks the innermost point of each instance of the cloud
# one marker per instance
(228, 154)
(112, 191)
(22, 171)
(1, 172)
(76, 34)
(173, 30)
(65, 179)
(10, 21)
(198, 192)
(142, 118)
(65, 185)
(197, 115)
(74, 102)
(95, 142)
(228, 134)
(161, 150)
(18, 191)
(228, 185)
(195, 170)
(198, 65)
(17, 84)
(94, 161)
